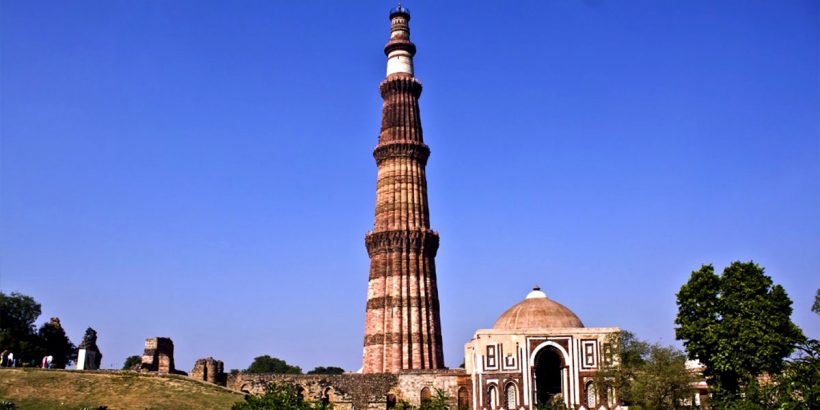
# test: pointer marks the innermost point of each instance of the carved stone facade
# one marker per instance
(209, 370)
(402, 324)
(159, 356)
(531, 358)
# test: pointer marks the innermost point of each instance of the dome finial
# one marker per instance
(536, 293)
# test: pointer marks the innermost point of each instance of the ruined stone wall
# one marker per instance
(209, 370)
(345, 391)
(159, 356)
(360, 391)
(413, 383)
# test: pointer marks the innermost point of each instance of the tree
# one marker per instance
(278, 397)
(17, 315)
(816, 306)
(737, 324)
(438, 402)
(327, 370)
(54, 342)
(648, 376)
(625, 354)
(131, 361)
(267, 364)
(663, 382)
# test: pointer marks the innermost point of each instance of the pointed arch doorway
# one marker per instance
(547, 374)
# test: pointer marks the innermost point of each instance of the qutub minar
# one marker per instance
(537, 353)
(402, 326)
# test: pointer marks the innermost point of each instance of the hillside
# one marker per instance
(49, 389)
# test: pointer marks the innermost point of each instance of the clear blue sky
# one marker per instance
(203, 170)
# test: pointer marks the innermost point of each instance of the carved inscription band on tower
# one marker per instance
(402, 325)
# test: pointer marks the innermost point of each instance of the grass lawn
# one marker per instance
(50, 389)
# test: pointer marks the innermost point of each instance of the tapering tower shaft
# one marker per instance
(402, 326)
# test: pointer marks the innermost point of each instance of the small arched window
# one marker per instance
(426, 395)
(492, 397)
(591, 394)
(509, 396)
(327, 397)
(463, 398)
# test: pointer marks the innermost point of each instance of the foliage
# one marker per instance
(131, 361)
(555, 403)
(327, 370)
(17, 315)
(737, 324)
(54, 342)
(438, 402)
(278, 397)
(663, 382)
(816, 306)
(648, 376)
(267, 364)
(797, 387)
(624, 355)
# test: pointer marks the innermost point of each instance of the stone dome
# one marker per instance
(537, 311)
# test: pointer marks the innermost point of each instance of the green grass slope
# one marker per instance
(54, 389)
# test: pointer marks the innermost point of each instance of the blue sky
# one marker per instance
(203, 170)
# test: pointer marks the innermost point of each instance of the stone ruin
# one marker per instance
(89, 356)
(159, 356)
(356, 391)
(209, 370)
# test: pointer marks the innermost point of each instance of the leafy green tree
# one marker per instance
(267, 364)
(647, 376)
(54, 342)
(624, 355)
(17, 333)
(737, 324)
(131, 361)
(278, 397)
(327, 370)
(816, 306)
(797, 387)
(662, 382)
(438, 402)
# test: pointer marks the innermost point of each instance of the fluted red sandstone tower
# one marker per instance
(402, 326)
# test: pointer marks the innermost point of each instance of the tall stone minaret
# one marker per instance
(402, 326)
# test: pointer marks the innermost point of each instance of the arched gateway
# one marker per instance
(540, 345)
(547, 375)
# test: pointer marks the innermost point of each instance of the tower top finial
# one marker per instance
(399, 9)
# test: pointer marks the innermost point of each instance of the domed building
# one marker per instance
(538, 352)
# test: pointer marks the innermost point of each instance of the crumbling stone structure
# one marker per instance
(364, 391)
(159, 356)
(209, 370)
(89, 356)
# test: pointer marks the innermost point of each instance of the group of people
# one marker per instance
(7, 359)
